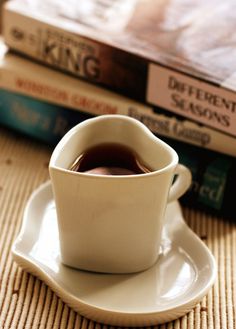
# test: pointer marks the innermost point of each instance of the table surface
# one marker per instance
(27, 302)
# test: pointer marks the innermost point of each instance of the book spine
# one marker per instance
(186, 131)
(123, 72)
(72, 53)
(36, 81)
(43, 121)
(213, 177)
(213, 173)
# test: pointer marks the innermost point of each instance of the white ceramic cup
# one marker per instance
(114, 223)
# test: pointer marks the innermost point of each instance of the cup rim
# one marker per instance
(65, 139)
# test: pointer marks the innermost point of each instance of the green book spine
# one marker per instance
(44, 121)
(213, 179)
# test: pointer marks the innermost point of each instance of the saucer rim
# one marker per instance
(31, 265)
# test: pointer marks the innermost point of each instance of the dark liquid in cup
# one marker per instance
(109, 159)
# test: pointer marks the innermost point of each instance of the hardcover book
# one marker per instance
(27, 78)
(178, 55)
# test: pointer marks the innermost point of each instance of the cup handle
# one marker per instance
(181, 184)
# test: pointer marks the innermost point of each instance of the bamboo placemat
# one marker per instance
(26, 302)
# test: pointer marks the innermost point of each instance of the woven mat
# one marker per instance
(26, 302)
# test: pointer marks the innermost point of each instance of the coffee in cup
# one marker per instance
(109, 159)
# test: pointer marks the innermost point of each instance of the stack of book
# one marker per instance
(167, 64)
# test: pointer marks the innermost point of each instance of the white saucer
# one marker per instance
(184, 273)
